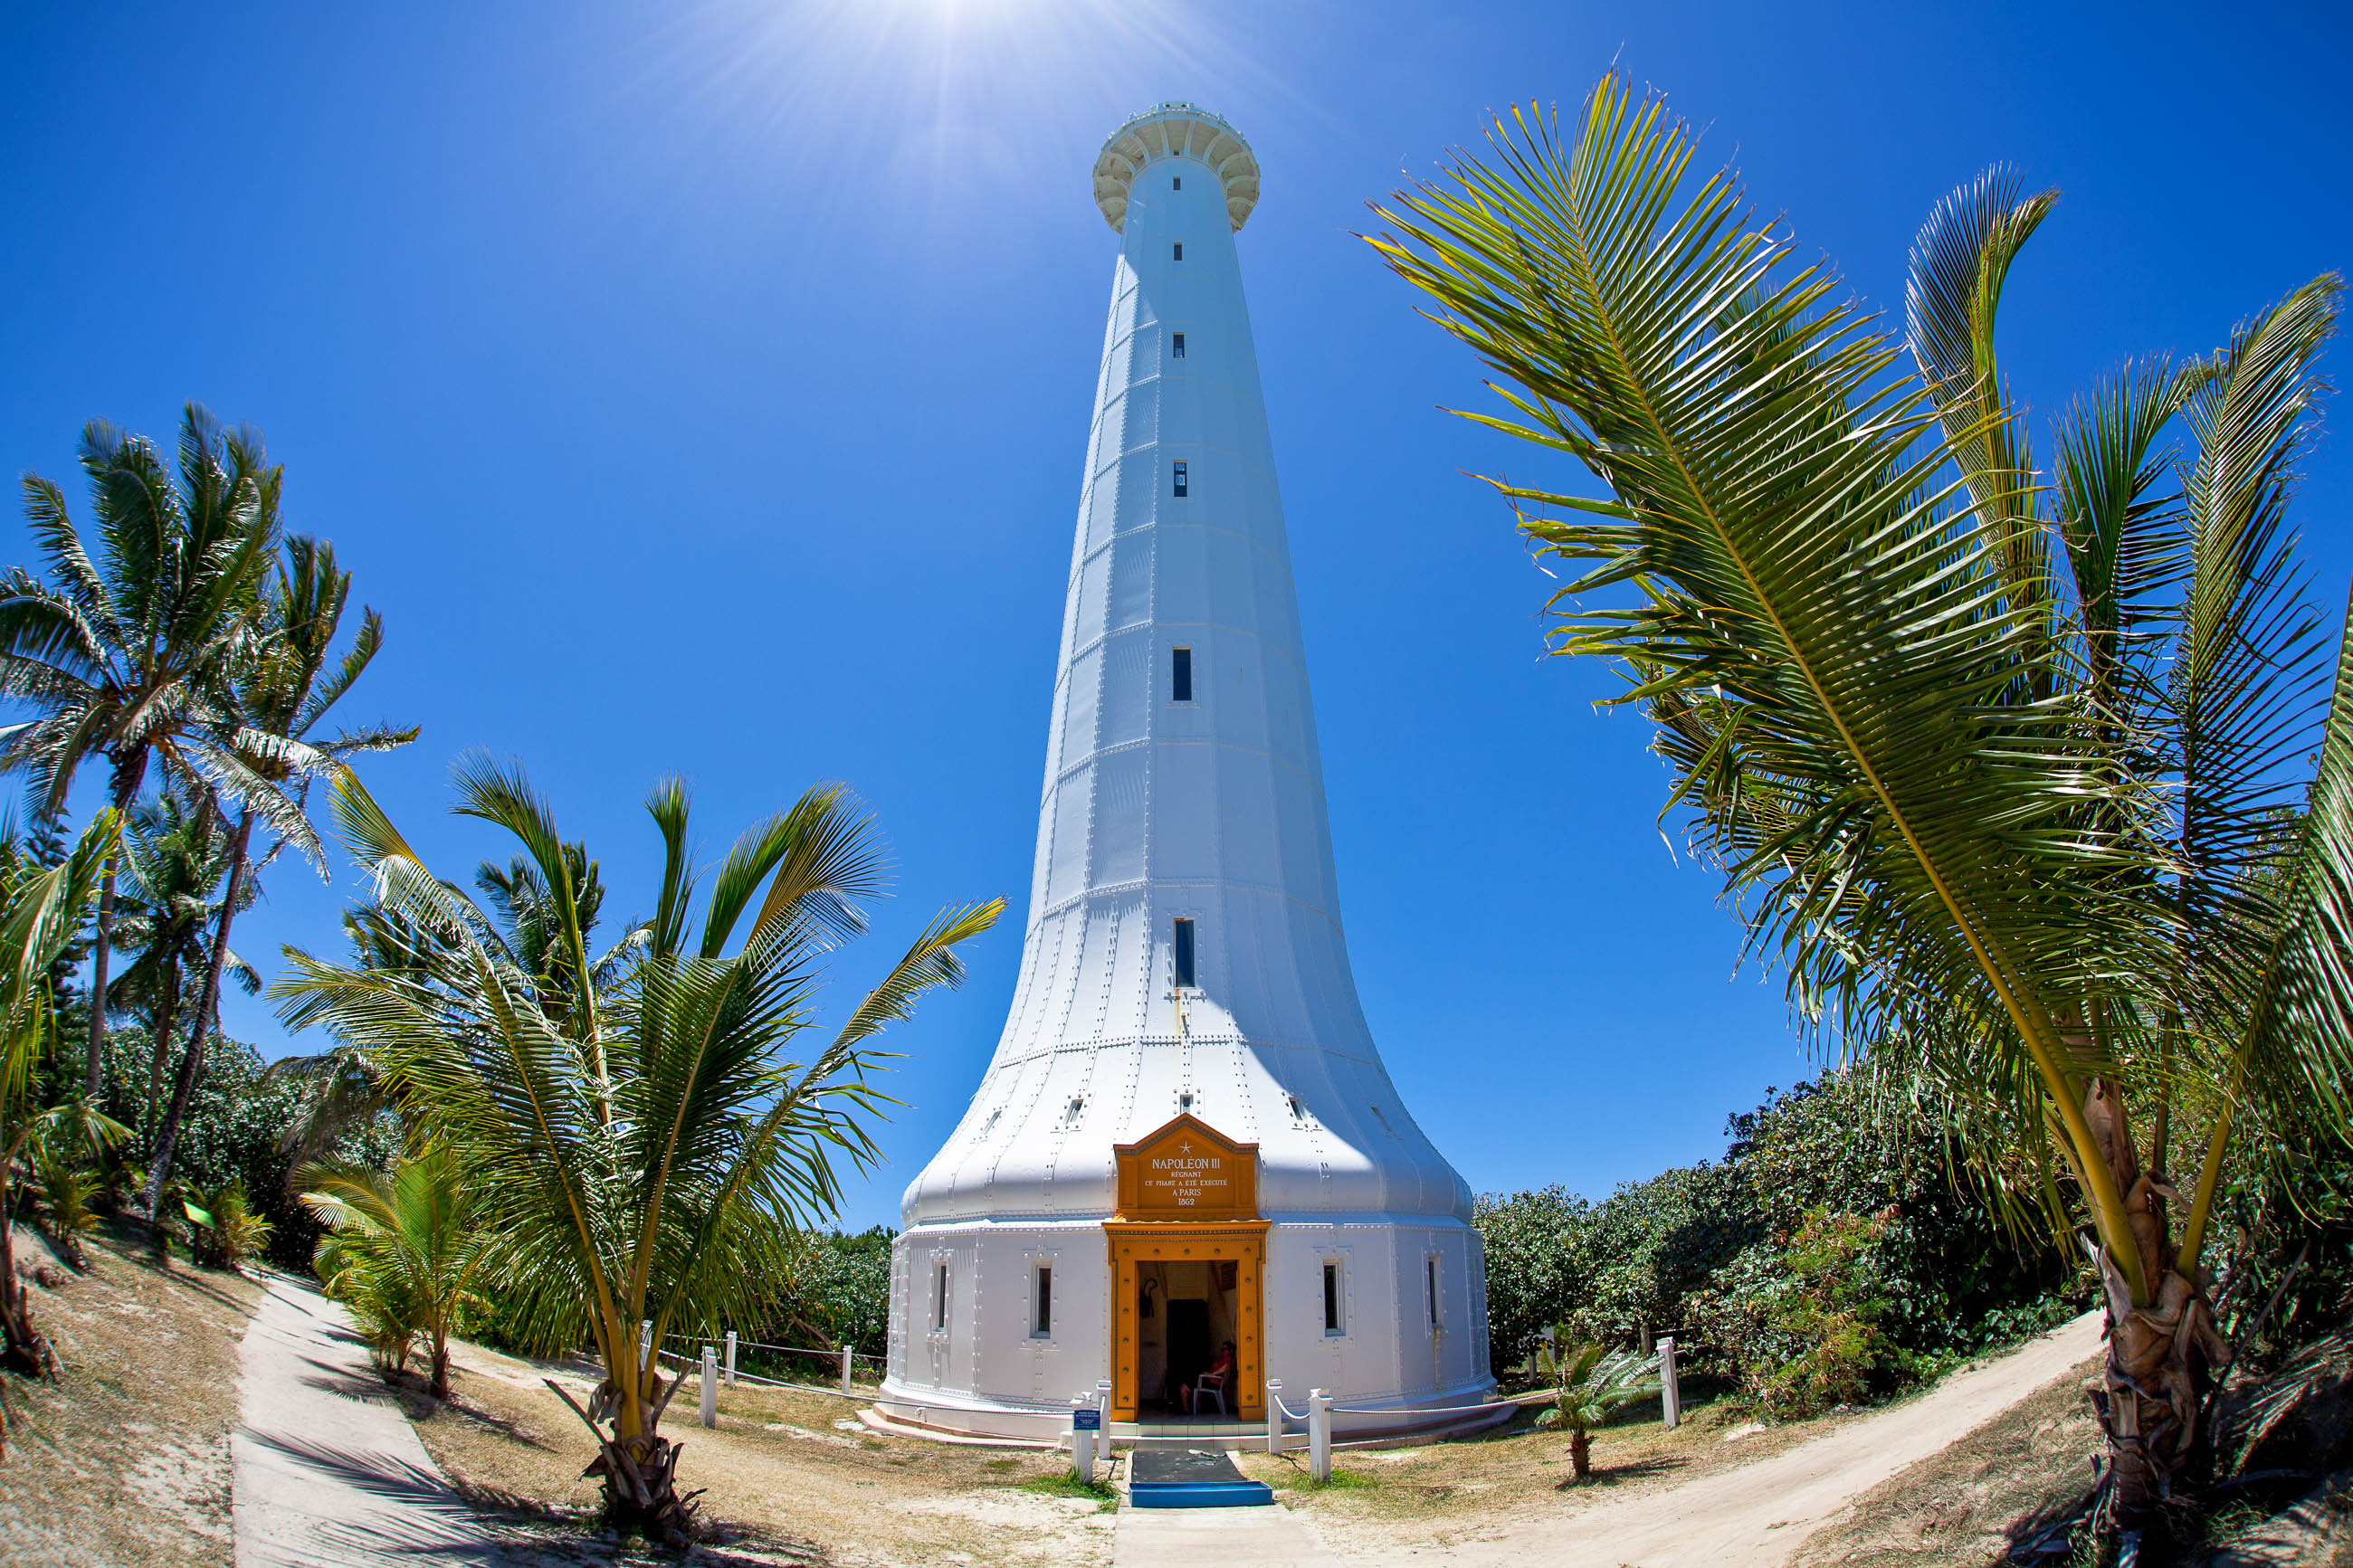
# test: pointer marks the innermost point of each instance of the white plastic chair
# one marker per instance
(1211, 1386)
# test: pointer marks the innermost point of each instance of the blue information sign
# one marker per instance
(1086, 1420)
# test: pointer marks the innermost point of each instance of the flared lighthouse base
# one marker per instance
(998, 1327)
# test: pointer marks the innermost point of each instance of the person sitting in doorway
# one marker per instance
(1214, 1382)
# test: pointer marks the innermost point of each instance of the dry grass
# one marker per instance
(786, 1482)
(123, 1461)
(2001, 1487)
(1444, 1493)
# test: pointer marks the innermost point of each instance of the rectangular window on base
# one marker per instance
(1332, 1324)
(1183, 478)
(1178, 253)
(939, 1297)
(1430, 1266)
(1184, 946)
(1180, 675)
(1175, 182)
(1042, 1327)
(1177, 345)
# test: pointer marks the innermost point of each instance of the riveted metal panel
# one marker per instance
(1211, 810)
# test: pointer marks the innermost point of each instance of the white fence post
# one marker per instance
(1082, 1444)
(730, 1358)
(1670, 1393)
(1273, 1416)
(846, 1355)
(710, 1386)
(1319, 1436)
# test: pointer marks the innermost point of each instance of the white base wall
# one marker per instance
(984, 1371)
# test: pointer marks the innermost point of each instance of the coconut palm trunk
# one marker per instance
(129, 773)
(167, 1018)
(41, 910)
(2164, 1350)
(207, 1013)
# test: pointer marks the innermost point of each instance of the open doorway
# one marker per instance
(1188, 1314)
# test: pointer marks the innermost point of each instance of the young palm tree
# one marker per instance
(401, 1250)
(1590, 1383)
(1994, 760)
(176, 856)
(125, 654)
(643, 1149)
(65, 1180)
(41, 908)
(281, 690)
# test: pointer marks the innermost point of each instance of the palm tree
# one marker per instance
(176, 855)
(281, 691)
(1997, 763)
(1590, 1383)
(41, 908)
(125, 655)
(642, 1149)
(401, 1250)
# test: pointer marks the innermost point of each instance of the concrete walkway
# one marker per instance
(328, 1474)
(1218, 1538)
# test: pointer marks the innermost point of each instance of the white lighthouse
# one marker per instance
(1187, 1141)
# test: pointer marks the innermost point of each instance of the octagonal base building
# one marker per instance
(1186, 1139)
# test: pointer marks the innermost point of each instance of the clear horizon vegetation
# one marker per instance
(707, 393)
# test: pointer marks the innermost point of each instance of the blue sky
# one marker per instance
(703, 388)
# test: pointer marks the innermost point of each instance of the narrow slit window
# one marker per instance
(1043, 1327)
(1184, 480)
(1177, 253)
(939, 1296)
(1180, 675)
(1177, 346)
(1175, 182)
(1184, 946)
(1330, 1298)
(1430, 1266)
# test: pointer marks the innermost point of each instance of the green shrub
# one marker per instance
(839, 1293)
(235, 1131)
(1800, 1322)
(1765, 1260)
(1537, 1262)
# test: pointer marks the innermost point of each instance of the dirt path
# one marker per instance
(123, 1460)
(328, 1473)
(1757, 1515)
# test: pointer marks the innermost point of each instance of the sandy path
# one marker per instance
(1756, 1515)
(328, 1473)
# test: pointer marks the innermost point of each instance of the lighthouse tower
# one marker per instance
(1187, 1141)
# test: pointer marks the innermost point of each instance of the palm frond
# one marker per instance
(1843, 620)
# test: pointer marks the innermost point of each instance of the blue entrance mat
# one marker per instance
(1191, 1477)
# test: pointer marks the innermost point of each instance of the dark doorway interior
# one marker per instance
(1188, 1348)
